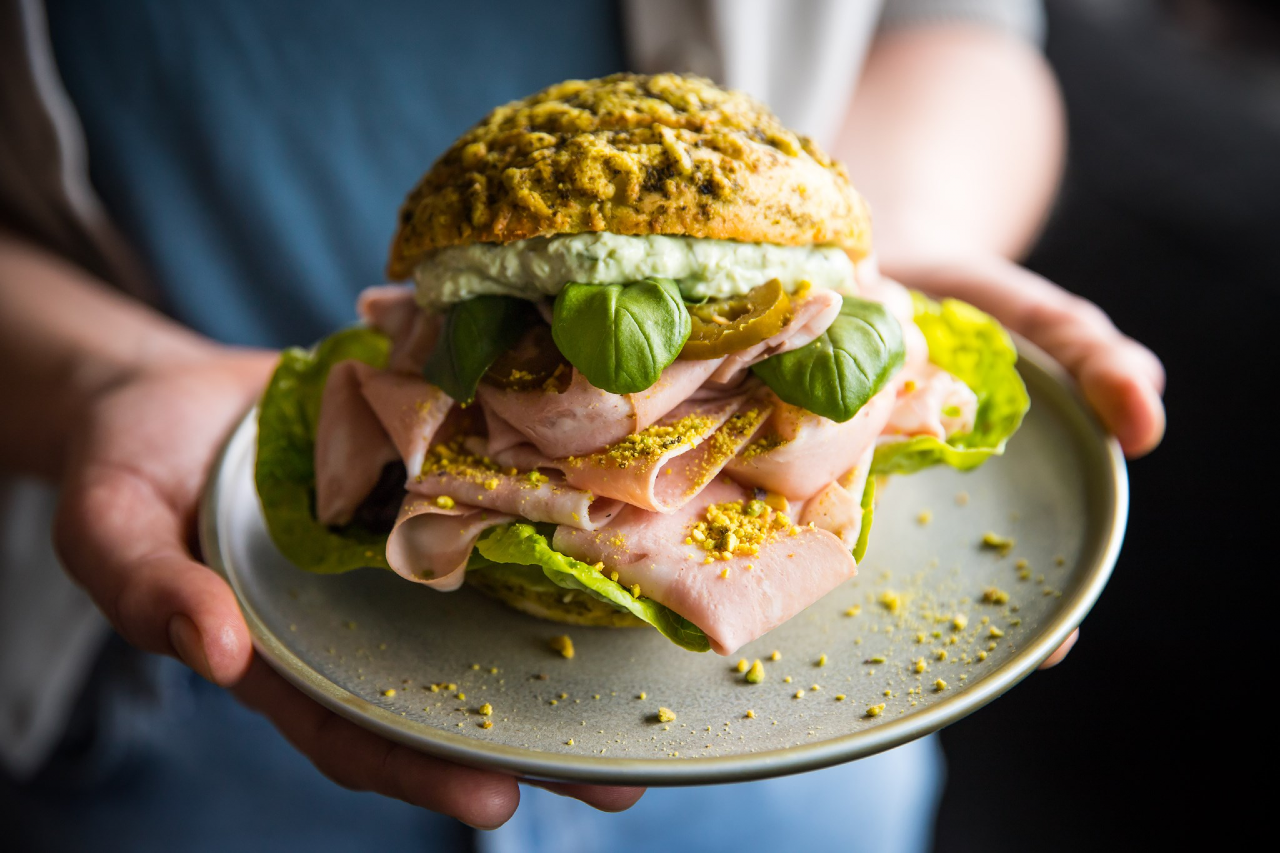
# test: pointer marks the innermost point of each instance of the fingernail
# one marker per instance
(185, 638)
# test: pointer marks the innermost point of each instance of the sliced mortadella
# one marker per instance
(530, 495)
(410, 409)
(391, 309)
(666, 465)
(351, 446)
(582, 418)
(838, 507)
(810, 317)
(932, 402)
(502, 435)
(680, 379)
(431, 545)
(799, 452)
(733, 601)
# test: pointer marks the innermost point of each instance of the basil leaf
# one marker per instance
(836, 374)
(621, 337)
(475, 333)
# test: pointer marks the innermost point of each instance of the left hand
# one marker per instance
(1120, 378)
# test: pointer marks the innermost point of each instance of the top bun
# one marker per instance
(631, 154)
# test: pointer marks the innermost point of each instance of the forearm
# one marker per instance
(64, 338)
(956, 138)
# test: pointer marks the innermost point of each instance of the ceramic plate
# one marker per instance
(936, 625)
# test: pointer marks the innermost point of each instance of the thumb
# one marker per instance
(122, 542)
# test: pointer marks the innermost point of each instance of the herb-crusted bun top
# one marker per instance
(635, 155)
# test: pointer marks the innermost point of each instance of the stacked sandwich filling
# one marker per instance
(705, 491)
(647, 373)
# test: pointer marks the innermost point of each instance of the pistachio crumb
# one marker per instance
(755, 674)
(562, 644)
(890, 601)
(996, 542)
(992, 595)
(875, 710)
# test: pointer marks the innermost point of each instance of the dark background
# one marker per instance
(1168, 219)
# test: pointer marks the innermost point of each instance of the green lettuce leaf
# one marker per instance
(285, 468)
(522, 544)
(868, 510)
(975, 348)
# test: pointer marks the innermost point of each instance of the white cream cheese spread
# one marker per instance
(541, 266)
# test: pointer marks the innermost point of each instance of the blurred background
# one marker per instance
(1168, 219)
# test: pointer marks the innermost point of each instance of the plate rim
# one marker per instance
(537, 764)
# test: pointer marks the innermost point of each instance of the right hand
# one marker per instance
(135, 469)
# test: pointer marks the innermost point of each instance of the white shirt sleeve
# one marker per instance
(801, 57)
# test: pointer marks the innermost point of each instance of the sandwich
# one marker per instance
(645, 373)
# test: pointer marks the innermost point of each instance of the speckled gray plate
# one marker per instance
(370, 646)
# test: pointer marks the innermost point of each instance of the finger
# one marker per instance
(1128, 406)
(361, 760)
(1060, 654)
(123, 543)
(1119, 377)
(606, 798)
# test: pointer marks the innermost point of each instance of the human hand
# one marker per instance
(1120, 378)
(135, 469)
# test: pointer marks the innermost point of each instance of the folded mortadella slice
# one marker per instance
(532, 495)
(431, 545)
(351, 446)
(666, 465)
(798, 452)
(410, 409)
(391, 309)
(582, 418)
(932, 402)
(733, 601)
(838, 507)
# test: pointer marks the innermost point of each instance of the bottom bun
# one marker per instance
(572, 607)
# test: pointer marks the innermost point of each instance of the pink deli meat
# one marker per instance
(542, 498)
(669, 463)
(837, 508)
(582, 418)
(803, 452)
(647, 548)
(431, 545)
(409, 408)
(351, 446)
